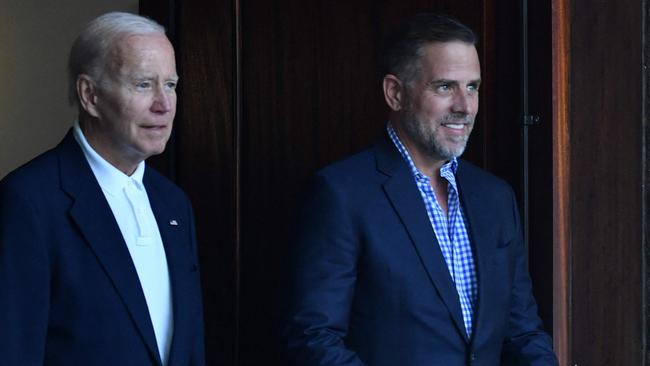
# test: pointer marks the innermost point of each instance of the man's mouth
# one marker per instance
(154, 127)
(455, 126)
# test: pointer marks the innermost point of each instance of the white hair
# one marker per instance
(90, 49)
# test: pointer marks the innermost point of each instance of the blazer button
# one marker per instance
(472, 358)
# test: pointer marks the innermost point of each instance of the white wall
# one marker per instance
(35, 38)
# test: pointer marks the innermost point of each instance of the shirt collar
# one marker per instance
(449, 168)
(111, 179)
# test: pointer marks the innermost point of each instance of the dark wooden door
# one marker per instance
(601, 176)
(271, 91)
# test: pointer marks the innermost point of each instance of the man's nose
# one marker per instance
(162, 102)
(464, 102)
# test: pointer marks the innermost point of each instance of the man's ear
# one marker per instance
(393, 92)
(87, 92)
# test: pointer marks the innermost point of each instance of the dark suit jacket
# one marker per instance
(69, 292)
(370, 285)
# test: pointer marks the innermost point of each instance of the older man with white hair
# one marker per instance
(98, 260)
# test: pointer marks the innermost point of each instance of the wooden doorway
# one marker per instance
(273, 91)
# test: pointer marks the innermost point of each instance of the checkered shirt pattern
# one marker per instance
(450, 230)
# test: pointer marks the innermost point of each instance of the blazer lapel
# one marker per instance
(95, 220)
(480, 225)
(405, 197)
(176, 240)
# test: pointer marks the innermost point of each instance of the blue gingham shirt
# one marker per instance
(450, 230)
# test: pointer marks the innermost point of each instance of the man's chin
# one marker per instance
(447, 154)
(153, 151)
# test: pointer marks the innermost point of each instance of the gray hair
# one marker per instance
(91, 47)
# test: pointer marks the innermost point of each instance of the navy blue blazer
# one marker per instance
(370, 285)
(69, 292)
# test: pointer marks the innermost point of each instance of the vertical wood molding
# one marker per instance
(237, 87)
(645, 213)
(488, 64)
(561, 186)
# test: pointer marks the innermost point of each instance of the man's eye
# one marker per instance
(443, 88)
(143, 85)
(472, 88)
(171, 85)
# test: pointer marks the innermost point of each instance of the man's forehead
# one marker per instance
(452, 49)
(132, 43)
(133, 50)
(451, 57)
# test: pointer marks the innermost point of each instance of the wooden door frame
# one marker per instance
(561, 169)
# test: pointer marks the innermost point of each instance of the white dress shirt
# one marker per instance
(129, 202)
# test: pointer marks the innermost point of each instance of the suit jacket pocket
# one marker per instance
(504, 243)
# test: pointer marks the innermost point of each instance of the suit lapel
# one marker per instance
(94, 219)
(405, 197)
(176, 240)
(480, 226)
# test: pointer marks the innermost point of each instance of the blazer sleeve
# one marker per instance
(24, 280)
(526, 343)
(323, 273)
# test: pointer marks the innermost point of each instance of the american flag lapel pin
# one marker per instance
(173, 222)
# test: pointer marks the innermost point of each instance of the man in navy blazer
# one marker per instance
(98, 260)
(405, 254)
